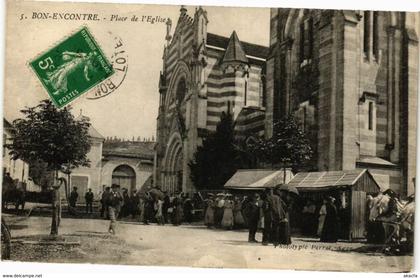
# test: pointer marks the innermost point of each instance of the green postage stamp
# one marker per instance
(72, 67)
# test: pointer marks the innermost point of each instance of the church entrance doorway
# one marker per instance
(124, 176)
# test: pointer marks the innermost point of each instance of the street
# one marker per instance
(87, 241)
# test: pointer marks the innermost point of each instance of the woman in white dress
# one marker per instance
(321, 219)
(227, 220)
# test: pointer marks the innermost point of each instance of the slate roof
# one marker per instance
(257, 179)
(144, 150)
(234, 51)
(318, 180)
(93, 133)
(375, 160)
(249, 48)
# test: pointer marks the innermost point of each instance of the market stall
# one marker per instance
(349, 188)
(258, 179)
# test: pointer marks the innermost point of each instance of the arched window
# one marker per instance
(371, 34)
(366, 33)
(375, 34)
(181, 90)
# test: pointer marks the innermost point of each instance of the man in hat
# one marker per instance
(188, 209)
(148, 207)
(73, 200)
(253, 208)
(115, 200)
(104, 202)
(177, 204)
(267, 209)
(166, 205)
(282, 219)
(89, 201)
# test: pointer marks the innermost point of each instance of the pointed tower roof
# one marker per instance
(234, 51)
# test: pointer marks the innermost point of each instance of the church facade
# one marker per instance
(351, 78)
(203, 75)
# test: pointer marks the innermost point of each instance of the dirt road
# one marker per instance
(188, 245)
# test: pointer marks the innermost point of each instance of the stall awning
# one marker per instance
(309, 181)
(257, 179)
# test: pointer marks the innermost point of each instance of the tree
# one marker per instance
(215, 161)
(54, 137)
(39, 173)
(288, 146)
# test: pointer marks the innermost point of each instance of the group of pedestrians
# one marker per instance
(150, 205)
(271, 209)
(223, 211)
(73, 198)
(328, 225)
(270, 212)
(162, 208)
(267, 212)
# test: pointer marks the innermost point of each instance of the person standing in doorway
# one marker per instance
(115, 200)
(89, 201)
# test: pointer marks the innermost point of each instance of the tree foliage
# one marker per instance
(40, 174)
(51, 137)
(288, 147)
(216, 160)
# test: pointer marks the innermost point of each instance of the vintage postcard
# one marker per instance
(216, 137)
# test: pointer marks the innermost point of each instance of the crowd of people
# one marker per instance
(151, 205)
(266, 212)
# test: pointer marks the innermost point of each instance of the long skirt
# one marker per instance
(227, 221)
(284, 233)
(209, 217)
(320, 224)
(218, 216)
(177, 216)
(141, 217)
(238, 218)
(330, 230)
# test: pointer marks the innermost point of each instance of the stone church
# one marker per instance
(351, 78)
(203, 75)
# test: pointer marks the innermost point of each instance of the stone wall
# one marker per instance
(366, 95)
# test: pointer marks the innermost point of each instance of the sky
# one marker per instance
(131, 110)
